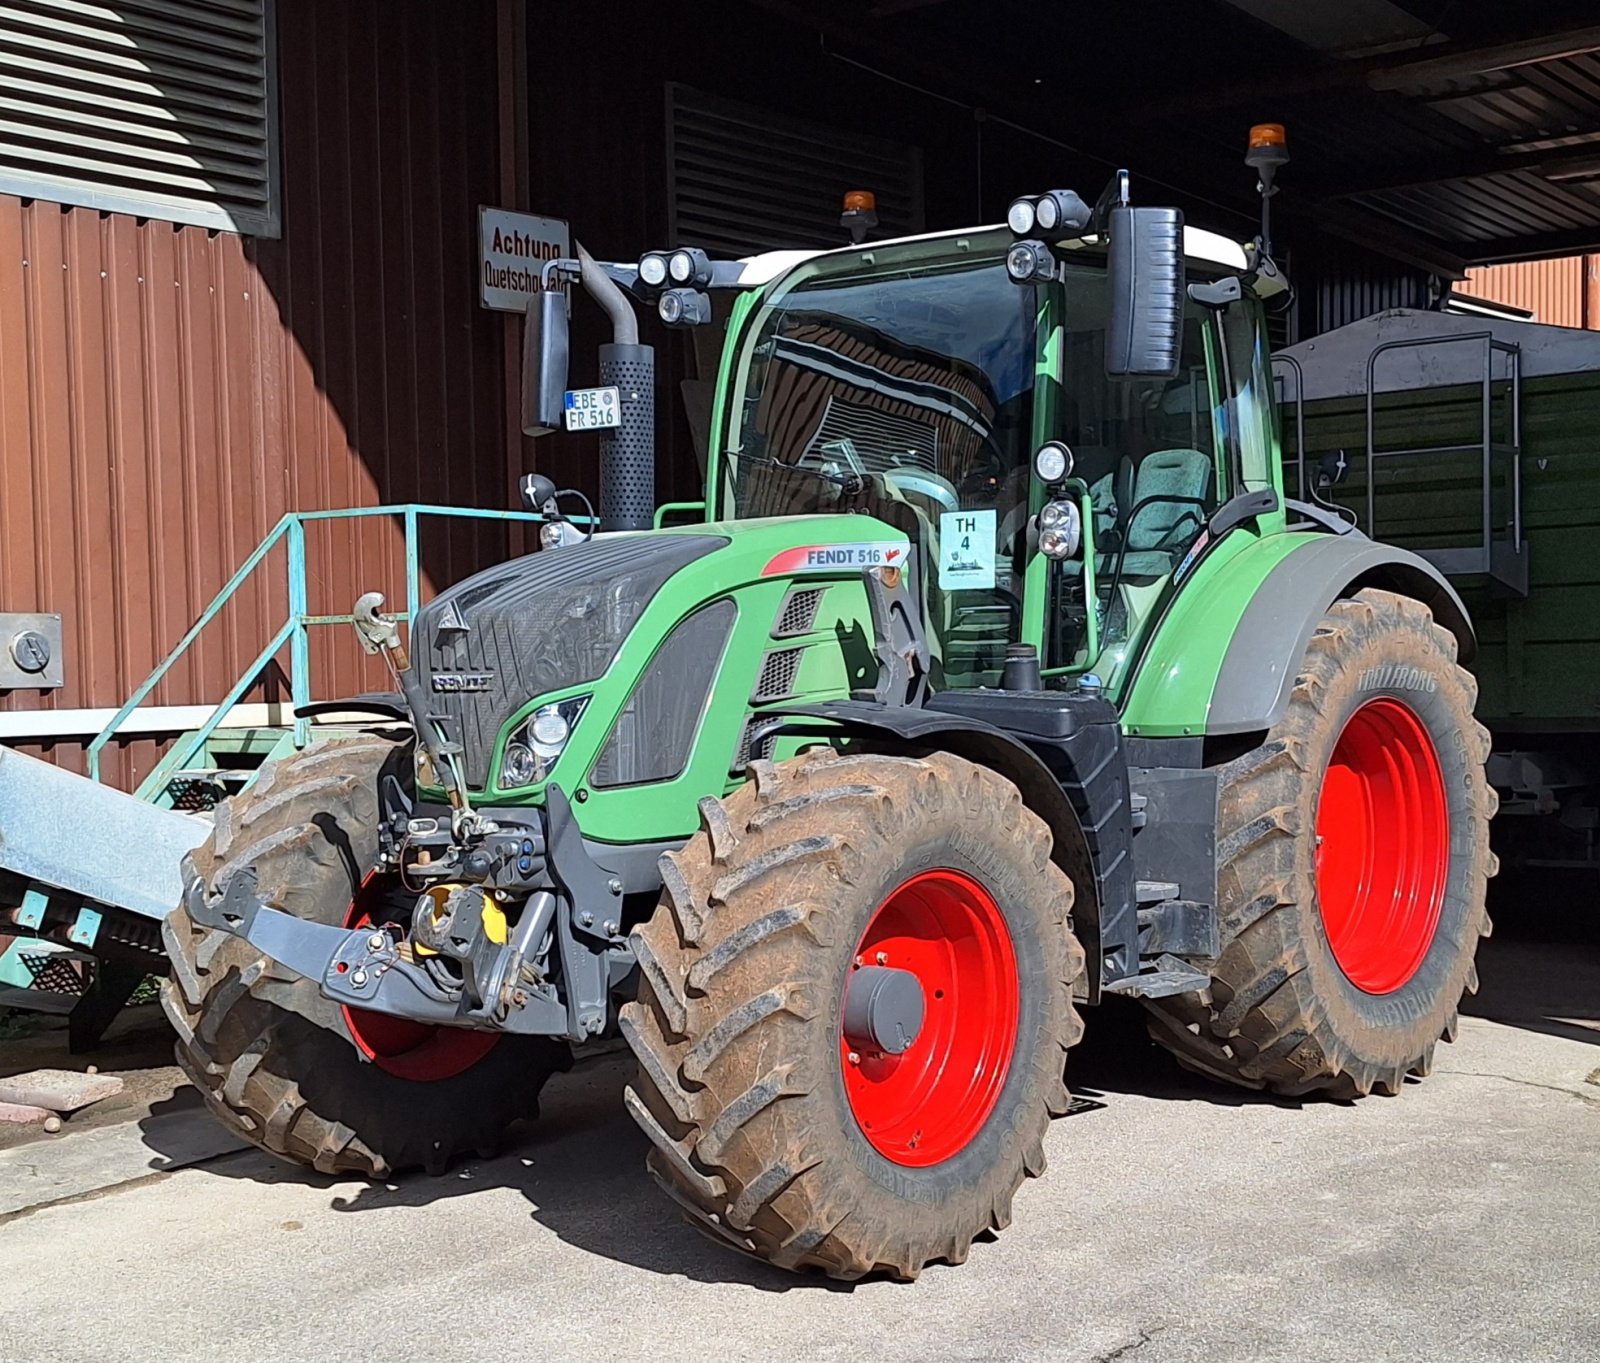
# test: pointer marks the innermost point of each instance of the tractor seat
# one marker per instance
(1157, 513)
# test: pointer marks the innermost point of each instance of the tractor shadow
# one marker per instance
(580, 1167)
(1116, 1058)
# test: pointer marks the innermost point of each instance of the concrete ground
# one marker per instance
(1178, 1221)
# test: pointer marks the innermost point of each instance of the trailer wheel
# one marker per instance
(854, 1012)
(1353, 860)
(342, 1090)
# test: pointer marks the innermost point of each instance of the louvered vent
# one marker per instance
(744, 756)
(798, 613)
(746, 180)
(162, 108)
(778, 672)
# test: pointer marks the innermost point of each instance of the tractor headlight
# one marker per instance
(1053, 462)
(1030, 262)
(689, 267)
(1061, 212)
(684, 308)
(653, 269)
(538, 741)
(554, 534)
(521, 767)
(1060, 529)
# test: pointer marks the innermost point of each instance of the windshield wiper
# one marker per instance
(849, 483)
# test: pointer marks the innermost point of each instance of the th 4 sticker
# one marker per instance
(966, 549)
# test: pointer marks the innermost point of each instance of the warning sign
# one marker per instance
(512, 249)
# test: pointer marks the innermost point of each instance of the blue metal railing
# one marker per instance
(295, 631)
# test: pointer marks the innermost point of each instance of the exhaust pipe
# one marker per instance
(627, 451)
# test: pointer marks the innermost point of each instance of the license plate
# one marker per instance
(593, 409)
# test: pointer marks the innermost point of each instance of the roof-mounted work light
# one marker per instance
(684, 308)
(1058, 213)
(689, 268)
(1030, 262)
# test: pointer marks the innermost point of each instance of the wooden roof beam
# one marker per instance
(1391, 71)
(1551, 163)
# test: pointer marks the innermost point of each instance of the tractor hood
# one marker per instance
(537, 624)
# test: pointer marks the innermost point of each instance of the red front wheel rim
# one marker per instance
(1383, 846)
(927, 1104)
(396, 1045)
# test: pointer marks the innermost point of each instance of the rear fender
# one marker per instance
(1224, 655)
(1258, 670)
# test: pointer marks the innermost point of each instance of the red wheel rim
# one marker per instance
(399, 1046)
(926, 1104)
(1383, 846)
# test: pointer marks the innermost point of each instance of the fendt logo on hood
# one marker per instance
(831, 558)
(455, 682)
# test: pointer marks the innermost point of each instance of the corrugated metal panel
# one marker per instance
(1553, 291)
(1338, 283)
(156, 107)
(167, 393)
(746, 179)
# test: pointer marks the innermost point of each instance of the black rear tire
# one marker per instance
(273, 1058)
(742, 1083)
(1282, 1012)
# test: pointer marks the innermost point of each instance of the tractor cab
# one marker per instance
(921, 383)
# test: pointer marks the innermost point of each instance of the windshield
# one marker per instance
(906, 394)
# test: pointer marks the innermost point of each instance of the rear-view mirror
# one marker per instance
(544, 362)
(1144, 333)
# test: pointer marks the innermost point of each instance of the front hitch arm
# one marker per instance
(357, 967)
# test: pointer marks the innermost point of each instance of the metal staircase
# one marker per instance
(87, 872)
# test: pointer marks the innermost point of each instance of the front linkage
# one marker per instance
(465, 870)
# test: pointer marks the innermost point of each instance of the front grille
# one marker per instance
(798, 614)
(743, 757)
(656, 729)
(536, 624)
(778, 672)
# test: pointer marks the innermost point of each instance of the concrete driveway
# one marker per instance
(1460, 1220)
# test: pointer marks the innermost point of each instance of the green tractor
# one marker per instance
(995, 676)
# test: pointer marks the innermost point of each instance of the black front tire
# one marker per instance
(274, 1059)
(738, 1025)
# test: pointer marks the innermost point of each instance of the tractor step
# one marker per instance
(1170, 976)
(1155, 891)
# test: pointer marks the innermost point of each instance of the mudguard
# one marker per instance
(1263, 656)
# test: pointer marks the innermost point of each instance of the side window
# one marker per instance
(1147, 450)
(1247, 413)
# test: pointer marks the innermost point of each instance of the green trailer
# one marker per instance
(1475, 442)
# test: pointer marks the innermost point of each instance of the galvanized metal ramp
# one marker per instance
(74, 838)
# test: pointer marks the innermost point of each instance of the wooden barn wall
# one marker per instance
(167, 393)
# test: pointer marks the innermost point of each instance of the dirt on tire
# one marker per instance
(275, 1060)
(1280, 1013)
(738, 1022)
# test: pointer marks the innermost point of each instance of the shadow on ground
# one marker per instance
(581, 1166)
(1541, 969)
